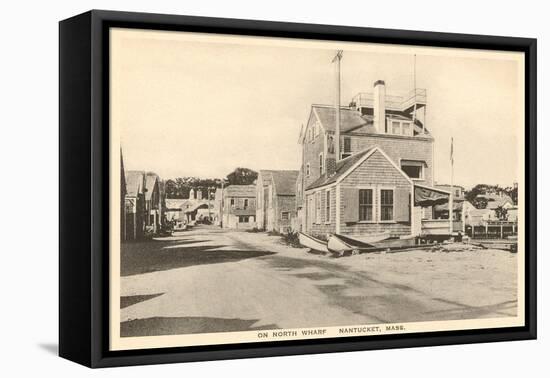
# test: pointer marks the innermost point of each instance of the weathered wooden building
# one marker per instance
(239, 207)
(276, 200)
(135, 209)
(153, 202)
(381, 180)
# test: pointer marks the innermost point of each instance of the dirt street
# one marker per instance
(213, 280)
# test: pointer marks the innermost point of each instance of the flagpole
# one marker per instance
(452, 189)
(336, 142)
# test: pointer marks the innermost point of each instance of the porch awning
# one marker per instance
(426, 196)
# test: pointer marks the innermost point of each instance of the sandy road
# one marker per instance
(209, 280)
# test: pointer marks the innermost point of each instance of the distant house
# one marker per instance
(195, 209)
(173, 209)
(276, 200)
(456, 190)
(135, 208)
(479, 217)
(153, 202)
(122, 199)
(239, 206)
(495, 200)
(218, 194)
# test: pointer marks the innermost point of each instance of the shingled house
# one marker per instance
(153, 202)
(276, 200)
(239, 206)
(383, 178)
(135, 209)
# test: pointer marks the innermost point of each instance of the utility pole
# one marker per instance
(221, 207)
(337, 59)
(414, 93)
(452, 189)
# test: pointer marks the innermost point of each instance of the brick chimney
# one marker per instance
(330, 163)
(380, 106)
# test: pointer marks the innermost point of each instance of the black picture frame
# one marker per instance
(84, 194)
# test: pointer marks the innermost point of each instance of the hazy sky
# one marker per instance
(193, 106)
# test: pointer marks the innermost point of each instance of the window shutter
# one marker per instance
(350, 205)
(402, 204)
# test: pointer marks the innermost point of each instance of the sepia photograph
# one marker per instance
(270, 189)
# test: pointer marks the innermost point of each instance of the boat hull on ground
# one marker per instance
(313, 243)
(342, 244)
(370, 238)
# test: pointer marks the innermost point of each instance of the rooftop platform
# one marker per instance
(398, 103)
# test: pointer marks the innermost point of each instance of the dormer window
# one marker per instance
(398, 127)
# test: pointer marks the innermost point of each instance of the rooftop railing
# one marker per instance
(416, 96)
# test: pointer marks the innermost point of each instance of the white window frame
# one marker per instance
(345, 154)
(374, 205)
(308, 170)
(287, 213)
(379, 204)
(400, 122)
(328, 215)
(318, 207)
(411, 128)
(321, 164)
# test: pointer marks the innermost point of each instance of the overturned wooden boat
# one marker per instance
(401, 242)
(313, 243)
(369, 238)
(341, 244)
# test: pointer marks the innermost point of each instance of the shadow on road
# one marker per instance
(133, 299)
(186, 325)
(152, 256)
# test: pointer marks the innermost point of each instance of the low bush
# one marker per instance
(292, 239)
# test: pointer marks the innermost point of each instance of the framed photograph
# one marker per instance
(234, 188)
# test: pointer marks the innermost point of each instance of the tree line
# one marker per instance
(480, 189)
(180, 187)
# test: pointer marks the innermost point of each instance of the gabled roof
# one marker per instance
(284, 181)
(150, 180)
(134, 183)
(240, 191)
(342, 167)
(495, 200)
(174, 203)
(349, 119)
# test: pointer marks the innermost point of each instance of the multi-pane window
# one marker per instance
(386, 205)
(327, 206)
(232, 202)
(245, 203)
(318, 207)
(285, 215)
(366, 205)
(321, 163)
(307, 170)
(400, 128)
